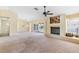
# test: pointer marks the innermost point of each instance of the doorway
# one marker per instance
(4, 26)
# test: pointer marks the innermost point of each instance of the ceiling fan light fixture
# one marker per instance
(45, 13)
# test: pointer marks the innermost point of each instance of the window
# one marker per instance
(73, 26)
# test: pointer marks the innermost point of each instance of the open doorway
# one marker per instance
(4, 26)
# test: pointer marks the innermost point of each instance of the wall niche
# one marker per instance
(55, 19)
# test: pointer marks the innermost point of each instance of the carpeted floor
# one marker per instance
(35, 43)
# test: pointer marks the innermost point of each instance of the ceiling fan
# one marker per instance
(46, 12)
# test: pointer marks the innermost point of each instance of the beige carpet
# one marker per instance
(35, 43)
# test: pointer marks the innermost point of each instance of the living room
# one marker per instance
(39, 28)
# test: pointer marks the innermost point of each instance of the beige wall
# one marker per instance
(62, 25)
(47, 24)
(22, 25)
(75, 15)
(12, 19)
(16, 24)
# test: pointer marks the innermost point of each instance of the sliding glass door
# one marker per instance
(38, 28)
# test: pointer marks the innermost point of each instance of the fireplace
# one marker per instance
(55, 30)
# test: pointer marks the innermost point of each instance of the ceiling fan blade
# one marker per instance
(49, 13)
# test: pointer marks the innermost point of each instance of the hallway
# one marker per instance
(35, 43)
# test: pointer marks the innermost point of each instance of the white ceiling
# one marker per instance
(28, 12)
